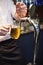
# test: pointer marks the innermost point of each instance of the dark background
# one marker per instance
(26, 43)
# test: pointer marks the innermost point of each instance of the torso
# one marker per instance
(5, 16)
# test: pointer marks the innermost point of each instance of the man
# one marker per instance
(9, 49)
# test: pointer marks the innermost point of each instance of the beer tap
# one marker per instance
(36, 27)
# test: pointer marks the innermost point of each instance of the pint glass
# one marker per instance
(15, 30)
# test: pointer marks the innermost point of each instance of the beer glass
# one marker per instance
(15, 30)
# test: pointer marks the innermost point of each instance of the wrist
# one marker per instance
(17, 17)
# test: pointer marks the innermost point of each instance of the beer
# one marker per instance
(15, 32)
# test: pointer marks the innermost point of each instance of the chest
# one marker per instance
(4, 7)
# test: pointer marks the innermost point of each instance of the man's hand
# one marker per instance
(4, 30)
(21, 9)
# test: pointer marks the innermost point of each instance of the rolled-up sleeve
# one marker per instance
(12, 7)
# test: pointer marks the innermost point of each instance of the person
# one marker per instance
(9, 49)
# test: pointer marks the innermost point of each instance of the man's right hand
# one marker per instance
(4, 30)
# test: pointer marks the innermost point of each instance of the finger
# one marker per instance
(23, 13)
(17, 4)
(6, 26)
(5, 29)
(9, 25)
(21, 3)
(23, 7)
(2, 34)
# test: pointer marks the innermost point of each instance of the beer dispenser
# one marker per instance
(36, 27)
(29, 17)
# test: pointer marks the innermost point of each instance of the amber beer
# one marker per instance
(15, 32)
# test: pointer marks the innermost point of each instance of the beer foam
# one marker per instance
(15, 26)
